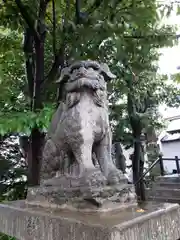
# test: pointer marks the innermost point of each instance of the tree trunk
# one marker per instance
(36, 138)
(34, 156)
(137, 163)
(120, 158)
(136, 166)
(28, 48)
(24, 147)
(35, 75)
(141, 170)
(34, 39)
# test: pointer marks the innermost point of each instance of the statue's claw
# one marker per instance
(114, 176)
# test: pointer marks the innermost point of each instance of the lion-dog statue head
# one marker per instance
(85, 75)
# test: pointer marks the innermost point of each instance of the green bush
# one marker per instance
(6, 237)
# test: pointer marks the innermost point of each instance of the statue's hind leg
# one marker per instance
(50, 161)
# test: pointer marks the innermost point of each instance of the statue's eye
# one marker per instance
(76, 66)
(73, 69)
(93, 66)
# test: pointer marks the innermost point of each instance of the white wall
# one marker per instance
(127, 153)
(128, 161)
(170, 150)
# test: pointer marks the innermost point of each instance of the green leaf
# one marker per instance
(178, 9)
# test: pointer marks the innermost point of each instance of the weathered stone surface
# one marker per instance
(108, 198)
(81, 126)
(77, 167)
(166, 189)
(158, 222)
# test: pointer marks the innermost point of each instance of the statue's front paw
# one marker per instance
(114, 176)
(93, 178)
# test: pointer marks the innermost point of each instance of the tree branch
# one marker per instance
(77, 12)
(58, 59)
(27, 18)
(115, 6)
(150, 36)
(42, 8)
(59, 55)
(94, 6)
(54, 26)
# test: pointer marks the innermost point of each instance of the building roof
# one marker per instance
(171, 138)
(172, 117)
(174, 125)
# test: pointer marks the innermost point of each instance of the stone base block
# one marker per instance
(158, 221)
(83, 199)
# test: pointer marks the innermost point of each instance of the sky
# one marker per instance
(170, 60)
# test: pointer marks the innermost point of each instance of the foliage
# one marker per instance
(23, 121)
(12, 170)
(6, 237)
(11, 67)
(125, 34)
(135, 64)
(134, 39)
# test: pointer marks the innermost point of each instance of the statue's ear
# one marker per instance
(63, 79)
(105, 71)
(64, 75)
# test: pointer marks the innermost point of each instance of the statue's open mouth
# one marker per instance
(84, 76)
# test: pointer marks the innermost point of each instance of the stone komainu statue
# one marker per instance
(81, 127)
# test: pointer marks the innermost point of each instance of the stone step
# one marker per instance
(170, 185)
(165, 189)
(161, 199)
(165, 192)
(168, 178)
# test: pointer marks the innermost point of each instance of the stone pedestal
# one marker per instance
(67, 192)
(100, 199)
(158, 221)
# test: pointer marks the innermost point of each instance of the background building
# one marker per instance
(169, 142)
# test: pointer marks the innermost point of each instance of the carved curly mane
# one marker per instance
(84, 76)
(73, 97)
